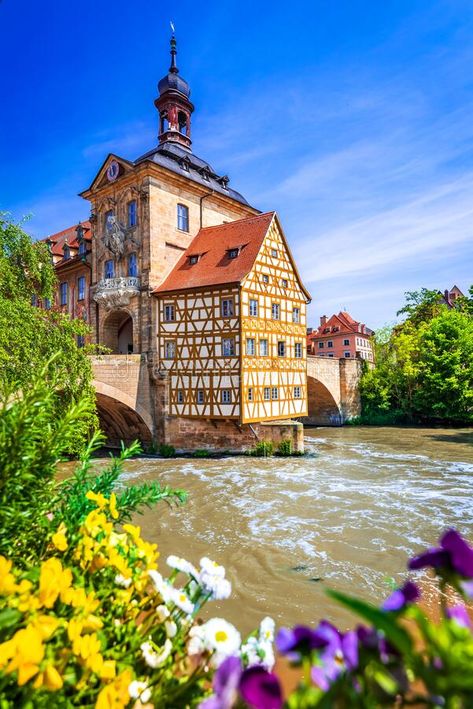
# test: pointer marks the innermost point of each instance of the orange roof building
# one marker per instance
(341, 336)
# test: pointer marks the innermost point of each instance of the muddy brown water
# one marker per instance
(346, 516)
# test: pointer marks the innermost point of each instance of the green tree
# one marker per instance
(30, 337)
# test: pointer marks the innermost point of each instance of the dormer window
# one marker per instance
(193, 259)
(233, 253)
(185, 165)
(82, 248)
(224, 181)
(205, 174)
(67, 253)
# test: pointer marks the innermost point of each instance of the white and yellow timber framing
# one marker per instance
(205, 380)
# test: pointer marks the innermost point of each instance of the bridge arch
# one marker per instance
(323, 409)
(121, 418)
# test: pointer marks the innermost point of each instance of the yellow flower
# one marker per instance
(98, 498)
(59, 539)
(78, 598)
(113, 506)
(85, 646)
(53, 580)
(74, 629)
(96, 522)
(108, 670)
(115, 695)
(7, 650)
(7, 580)
(132, 530)
(28, 653)
(46, 624)
(49, 679)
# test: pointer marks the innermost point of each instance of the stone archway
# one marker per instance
(121, 419)
(117, 332)
(323, 410)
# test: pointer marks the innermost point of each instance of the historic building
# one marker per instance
(183, 271)
(341, 336)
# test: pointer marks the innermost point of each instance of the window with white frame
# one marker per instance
(200, 396)
(284, 282)
(274, 393)
(321, 345)
(81, 288)
(253, 308)
(263, 348)
(169, 349)
(297, 393)
(250, 345)
(274, 253)
(281, 349)
(296, 315)
(346, 342)
(226, 396)
(182, 217)
(346, 355)
(63, 294)
(265, 278)
(180, 396)
(275, 311)
(266, 393)
(169, 313)
(298, 350)
(228, 346)
(226, 307)
(331, 354)
(330, 344)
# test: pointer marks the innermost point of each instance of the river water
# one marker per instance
(346, 516)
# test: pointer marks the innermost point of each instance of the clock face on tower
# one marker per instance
(112, 171)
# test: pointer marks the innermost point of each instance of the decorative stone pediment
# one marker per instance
(116, 292)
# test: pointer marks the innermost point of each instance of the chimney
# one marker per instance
(323, 320)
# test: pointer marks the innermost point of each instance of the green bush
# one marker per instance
(167, 451)
(263, 449)
(201, 453)
(285, 447)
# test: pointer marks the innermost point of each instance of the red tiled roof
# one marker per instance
(212, 244)
(348, 324)
(69, 236)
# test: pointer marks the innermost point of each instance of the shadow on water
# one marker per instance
(459, 437)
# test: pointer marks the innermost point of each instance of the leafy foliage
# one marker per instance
(424, 366)
(262, 449)
(167, 451)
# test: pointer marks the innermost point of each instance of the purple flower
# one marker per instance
(225, 685)
(370, 639)
(260, 689)
(298, 641)
(460, 615)
(339, 655)
(453, 555)
(401, 597)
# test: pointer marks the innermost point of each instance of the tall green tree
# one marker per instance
(30, 337)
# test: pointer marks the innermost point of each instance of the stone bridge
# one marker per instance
(333, 390)
(127, 395)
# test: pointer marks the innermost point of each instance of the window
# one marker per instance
(281, 349)
(180, 396)
(228, 347)
(346, 354)
(284, 282)
(81, 288)
(63, 294)
(296, 315)
(274, 393)
(109, 269)
(330, 344)
(297, 392)
(250, 346)
(275, 311)
(182, 217)
(265, 278)
(169, 349)
(298, 350)
(82, 248)
(80, 341)
(47, 304)
(226, 307)
(200, 396)
(67, 253)
(132, 213)
(274, 253)
(263, 348)
(132, 265)
(331, 354)
(233, 253)
(321, 345)
(253, 308)
(250, 393)
(346, 342)
(226, 396)
(266, 394)
(169, 313)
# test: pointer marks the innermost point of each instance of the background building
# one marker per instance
(341, 336)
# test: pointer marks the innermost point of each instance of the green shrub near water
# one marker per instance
(262, 449)
(167, 451)
(285, 447)
(201, 453)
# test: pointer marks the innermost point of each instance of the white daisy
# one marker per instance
(156, 659)
(181, 600)
(218, 587)
(220, 638)
(162, 612)
(121, 580)
(211, 568)
(266, 630)
(171, 628)
(139, 690)
(163, 587)
(176, 562)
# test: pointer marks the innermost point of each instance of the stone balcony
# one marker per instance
(116, 292)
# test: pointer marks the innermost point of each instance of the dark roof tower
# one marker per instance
(174, 106)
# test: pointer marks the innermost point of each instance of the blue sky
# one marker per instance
(353, 119)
